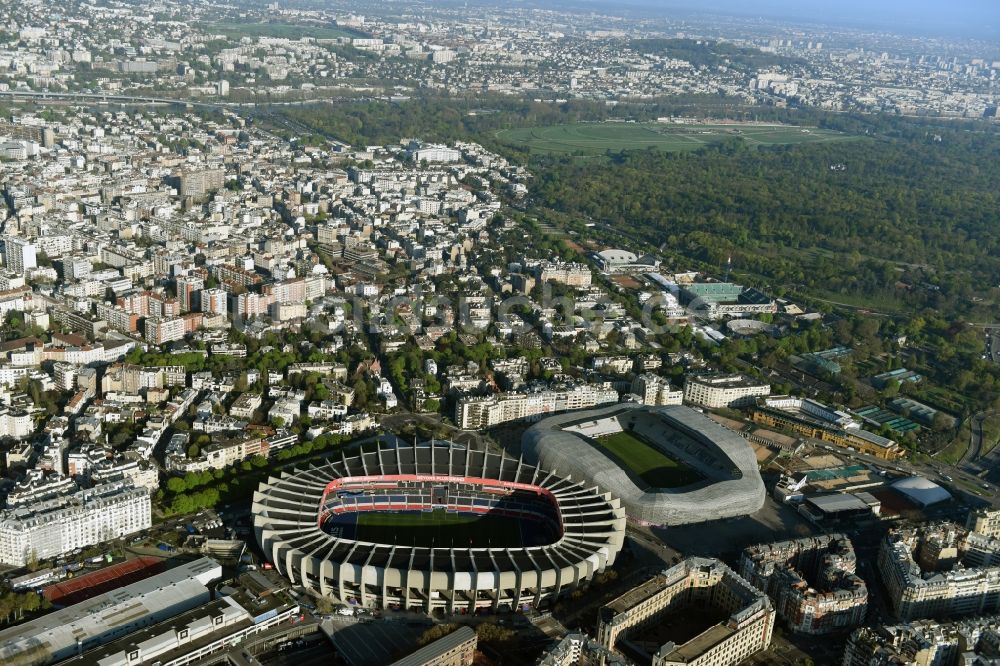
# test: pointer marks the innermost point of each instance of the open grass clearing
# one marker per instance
(597, 138)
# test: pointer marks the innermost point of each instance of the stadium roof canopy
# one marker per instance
(730, 485)
(289, 524)
(614, 256)
(921, 490)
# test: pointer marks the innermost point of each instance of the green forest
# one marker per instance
(432, 118)
(902, 220)
(703, 53)
(899, 222)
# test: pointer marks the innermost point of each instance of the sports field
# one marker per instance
(598, 138)
(441, 529)
(647, 462)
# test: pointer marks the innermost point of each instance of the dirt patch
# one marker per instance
(626, 282)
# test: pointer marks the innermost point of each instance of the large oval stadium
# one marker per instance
(669, 465)
(436, 527)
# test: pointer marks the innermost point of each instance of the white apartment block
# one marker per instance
(15, 423)
(140, 474)
(65, 375)
(715, 391)
(54, 527)
(655, 390)
(9, 375)
(214, 301)
(475, 413)
(984, 521)
(19, 254)
(159, 331)
(249, 304)
(433, 153)
(76, 268)
(245, 406)
(326, 409)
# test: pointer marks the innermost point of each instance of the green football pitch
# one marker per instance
(439, 529)
(598, 138)
(648, 462)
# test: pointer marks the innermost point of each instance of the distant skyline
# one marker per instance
(972, 18)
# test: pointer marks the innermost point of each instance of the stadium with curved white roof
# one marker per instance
(922, 490)
(669, 465)
(436, 527)
(613, 260)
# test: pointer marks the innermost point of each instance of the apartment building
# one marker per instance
(159, 331)
(655, 390)
(15, 423)
(920, 571)
(53, 527)
(19, 254)
(215, 301)
(485, 412)
(984, 521)
(693, 583)
(456, 649)
(198, 182)
(118, 317)
(245, 406)
(812, 582)
(717, 390)
(236, 276)
(188, 291)
(572, 275)
(925, 643)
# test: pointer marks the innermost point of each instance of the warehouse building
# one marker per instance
(89, 624)
(191, 636)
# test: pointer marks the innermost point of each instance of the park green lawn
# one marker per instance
(647, 462)
(953, 453)
(991, 433)
(440, 529)
(598, 138)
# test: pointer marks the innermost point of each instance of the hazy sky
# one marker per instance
(979, 18)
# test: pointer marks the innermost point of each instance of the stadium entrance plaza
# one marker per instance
(727, 537)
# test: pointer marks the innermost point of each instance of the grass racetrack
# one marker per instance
(648, 462)
(598, 138)
(440, 529)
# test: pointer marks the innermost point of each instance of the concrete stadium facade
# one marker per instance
(289, 514)
(731, 485)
